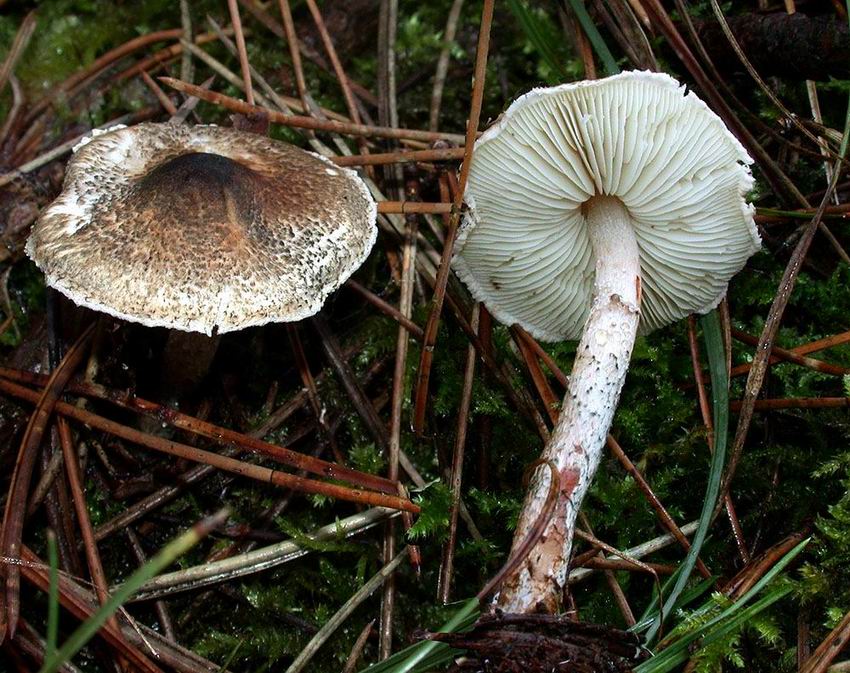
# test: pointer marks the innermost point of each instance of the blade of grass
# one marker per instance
(724, 622)
(596, 39)
(425, 655)
(52, 596)
(541, 37)
(174, 549)
(720, 396)
(686, 598)
(670, 660)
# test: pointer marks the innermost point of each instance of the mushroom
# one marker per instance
(598, 211)
(202, 229)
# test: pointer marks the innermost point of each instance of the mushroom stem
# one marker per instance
(577, 441)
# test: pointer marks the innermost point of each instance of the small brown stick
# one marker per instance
(791, 356)
(600, 563)
(705, 410)
(163, 56)
(830, 648)
(655, 503)
(197, 426)
(444, 585)
(547, 396)
(759, 566)
(75, 80)
(357, 648)
(294, 53)
(187, 69)
(236, 21)
(386, 308)
(164, 100)
(15, 511)
(805, 349)
(442, 70)
(19, 46)
(539, 351)
(17, 105)
(794, 403)
(75, 481)
(82, 605)
(298, 121)
(402, 157)
(405, 308)
(411, 207)
(358, 398)
(771, 327)
(218, 461)
(432, 326)
(613, 584)
(160, 606)
(339, 71)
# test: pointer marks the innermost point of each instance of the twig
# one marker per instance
(235, 19)
(226, 436)
(191, 453)
(402, 157)
(793, 403)
(805, 349)
(357, 648)
(433, 323)
(343, 613)
(386, 308)
(298, 121)
(261, 559)
(13, 518)
(637, 552)
(443, 64)
(19, 46)
(410, 207)
(294, 53)
(187, 70)
(164, 100)
(791, 356)
(655, 503)
(444, 585)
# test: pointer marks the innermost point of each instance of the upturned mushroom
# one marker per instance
(599, 211)
(202, 229)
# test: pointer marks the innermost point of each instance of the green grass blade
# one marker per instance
(541, 37)
(671, 658)
(52, 596)
(163, 559)
(426, 655)
(720, 394)
(686, 598)
(596, 40)
(726, 621)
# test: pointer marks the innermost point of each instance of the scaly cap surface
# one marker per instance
(202, 228)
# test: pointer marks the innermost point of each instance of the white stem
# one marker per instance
(578, 439)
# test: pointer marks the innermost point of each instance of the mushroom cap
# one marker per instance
(523, 247)
(202, 228)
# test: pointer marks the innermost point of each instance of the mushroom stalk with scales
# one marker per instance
(598, 211)
(598, 375)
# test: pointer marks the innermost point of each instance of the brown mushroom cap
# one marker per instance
(202, 228)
